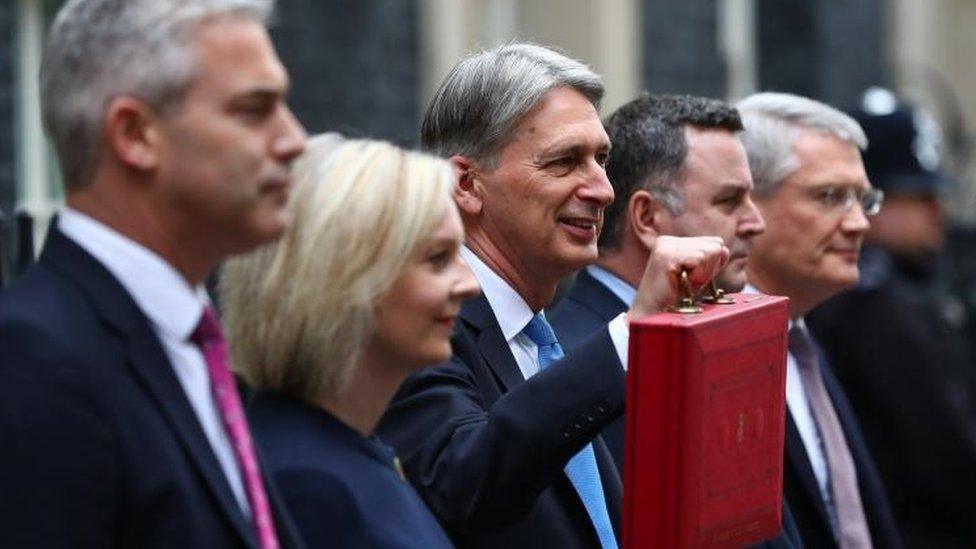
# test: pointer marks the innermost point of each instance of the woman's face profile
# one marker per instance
(415, 320)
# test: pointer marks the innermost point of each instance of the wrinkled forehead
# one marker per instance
(826, 159)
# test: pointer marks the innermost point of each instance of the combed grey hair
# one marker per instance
(98, 50)
(487, 93)
(772, 122)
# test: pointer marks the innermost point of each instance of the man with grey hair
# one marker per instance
(502, 441)
(121, 420)
(813, 192)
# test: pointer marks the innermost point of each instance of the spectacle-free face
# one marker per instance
(415, 319)
(226, 149)
(542, 206)
(813, 237)
(716, 187)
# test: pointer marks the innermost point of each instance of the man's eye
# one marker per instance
(829, 196)
(562, 165)
(601, 159)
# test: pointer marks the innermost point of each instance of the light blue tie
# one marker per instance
(581, 469)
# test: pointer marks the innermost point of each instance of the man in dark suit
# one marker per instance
(813, 192)
(897, 341)
(677, 168)
(120, 419)
(501, 441)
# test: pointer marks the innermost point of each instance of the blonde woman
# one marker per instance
(328, 322)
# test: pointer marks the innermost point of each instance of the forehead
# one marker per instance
(563, 118)
(825, 159)
(716, 158)
(236, 54)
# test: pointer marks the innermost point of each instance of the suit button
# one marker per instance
(601, 410)
(590, 418)
(568, 433)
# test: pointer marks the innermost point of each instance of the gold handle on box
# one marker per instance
(688, 305)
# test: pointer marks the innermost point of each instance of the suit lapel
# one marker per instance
(592, 294)
(491, 342)
(149, 364)
(799, 462)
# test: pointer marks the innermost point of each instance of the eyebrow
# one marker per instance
(558, 149)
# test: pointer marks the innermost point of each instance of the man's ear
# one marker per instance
(132, 133)
(647, 217)
(468, 193)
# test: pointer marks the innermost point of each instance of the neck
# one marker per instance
(627, 265)
(537, 289)
(802, 300)
(364, 399)
(133, 216)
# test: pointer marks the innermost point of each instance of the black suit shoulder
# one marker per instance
(103, 448)
(342, 488)
(487, 450)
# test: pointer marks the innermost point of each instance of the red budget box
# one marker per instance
(703, 463)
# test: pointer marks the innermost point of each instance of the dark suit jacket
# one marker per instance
(903, 366)
(486, 449)
(342, 488)
(803, 494)
(587, 307)
(101, 445)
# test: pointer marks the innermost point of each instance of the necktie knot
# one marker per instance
(208, 329)
(539, 331)
(802, 347)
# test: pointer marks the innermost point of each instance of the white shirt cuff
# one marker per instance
(620, 335)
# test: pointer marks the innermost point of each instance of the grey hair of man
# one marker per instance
(773, 121)
(650, 148)
(98, 50)
(478, 105)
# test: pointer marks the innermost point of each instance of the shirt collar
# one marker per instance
(158, 289)
(511, 310)
(750, 289)
(617, 286)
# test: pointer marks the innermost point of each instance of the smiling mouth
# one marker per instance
(585, 227)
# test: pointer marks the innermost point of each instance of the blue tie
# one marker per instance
(581, 469)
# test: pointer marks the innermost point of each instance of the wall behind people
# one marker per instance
(820, 49)
(353, 65)
(7, 188)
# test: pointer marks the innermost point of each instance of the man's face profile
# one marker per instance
(226, 149)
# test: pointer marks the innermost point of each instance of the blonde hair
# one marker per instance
(299, 311)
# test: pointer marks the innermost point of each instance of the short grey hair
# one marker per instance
(772, 121)
(299, 311)
(487, 93)
(98, 50)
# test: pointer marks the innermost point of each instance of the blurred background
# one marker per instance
(368, 67)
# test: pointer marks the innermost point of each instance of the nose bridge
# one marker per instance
(466, 284)
(855, 220)
(752, 222)
(291, 136)
(597, 186)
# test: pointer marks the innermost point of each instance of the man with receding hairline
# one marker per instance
(502, 441)
(122, 422)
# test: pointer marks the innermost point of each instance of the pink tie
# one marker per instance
(209, 337)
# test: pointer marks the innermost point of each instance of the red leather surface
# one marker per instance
(706, 408)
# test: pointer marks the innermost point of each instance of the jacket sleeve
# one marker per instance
(480, 458)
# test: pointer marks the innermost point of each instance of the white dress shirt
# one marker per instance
(799, 406)
(513, 313)
(174, 309)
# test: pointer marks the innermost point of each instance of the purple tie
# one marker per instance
(209, 337)
(852, 527)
